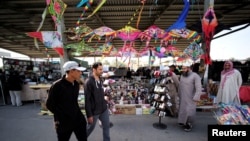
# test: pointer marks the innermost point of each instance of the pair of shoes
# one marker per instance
(181, 124)
(188, 127)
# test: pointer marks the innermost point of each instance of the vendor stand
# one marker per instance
(42, 94)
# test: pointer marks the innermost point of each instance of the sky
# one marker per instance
(235, 45)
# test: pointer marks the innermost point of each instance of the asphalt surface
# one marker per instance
(26, 124)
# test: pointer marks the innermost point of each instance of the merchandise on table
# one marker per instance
(229, 114)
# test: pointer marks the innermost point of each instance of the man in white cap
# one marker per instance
(62, 102)
(189, 91)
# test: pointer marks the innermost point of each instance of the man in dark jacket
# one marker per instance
(62, 102)
(15, 83)
(95, 104)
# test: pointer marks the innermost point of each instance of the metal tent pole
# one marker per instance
(2, 93)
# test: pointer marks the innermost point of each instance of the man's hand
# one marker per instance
(56, 124)
(196, 98)
(90, 120)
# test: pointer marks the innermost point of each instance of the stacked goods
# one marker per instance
(229, 114)
(213, 88)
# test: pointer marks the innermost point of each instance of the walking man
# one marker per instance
(63, 103)
(95, 103)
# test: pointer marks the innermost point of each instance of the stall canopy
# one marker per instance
(17, 18)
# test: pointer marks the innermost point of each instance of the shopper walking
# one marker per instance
(172, 85)
(15, 85)
(95, 103)
(230, 83)
(63, 103)
(189, 91)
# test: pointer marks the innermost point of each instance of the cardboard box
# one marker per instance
(138, 109)
(125, 109)
(146, 109)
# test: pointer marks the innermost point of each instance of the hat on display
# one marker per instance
(166, 68)
(186, 64)
(105, 75)
(70, 65)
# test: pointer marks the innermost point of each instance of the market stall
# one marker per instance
(33, 73)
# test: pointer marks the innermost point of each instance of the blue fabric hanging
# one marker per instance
(181, 22)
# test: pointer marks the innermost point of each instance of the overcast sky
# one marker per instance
(235, 45)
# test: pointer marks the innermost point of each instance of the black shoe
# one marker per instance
(188, 127)
(181, 124)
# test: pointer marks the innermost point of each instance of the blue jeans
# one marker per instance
(104, 118)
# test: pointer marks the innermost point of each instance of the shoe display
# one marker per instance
(188, 127)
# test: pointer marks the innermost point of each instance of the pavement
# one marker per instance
(26, 124)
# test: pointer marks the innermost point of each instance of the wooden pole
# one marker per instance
(65, 57)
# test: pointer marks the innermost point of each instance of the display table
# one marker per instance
(206, 108)
(42, 94)
(32, 92)
(245, 94)
(40, 86)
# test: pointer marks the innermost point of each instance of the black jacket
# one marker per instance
(94, 97)
(63, 102)
(14, 83)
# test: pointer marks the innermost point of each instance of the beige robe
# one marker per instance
(229, 88)
(189, 91)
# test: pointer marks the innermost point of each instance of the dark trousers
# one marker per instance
(80, 131)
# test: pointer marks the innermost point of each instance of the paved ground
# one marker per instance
(25, 124)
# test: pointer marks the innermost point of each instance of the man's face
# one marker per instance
(227, 66)
(98, 71)
(172, 69)
(76, 74)
(185, 71)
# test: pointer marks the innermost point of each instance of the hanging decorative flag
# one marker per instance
(180, 24)
(128, 33)
(107, 48)
(181, 21)
(50, 39)
(152, 32)
(56, 9)
(78, 48)
(97, 8)
(193, 51)
(87, 4)
(171, 51)
(101, 32)
(79, 32)
(209, 23)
